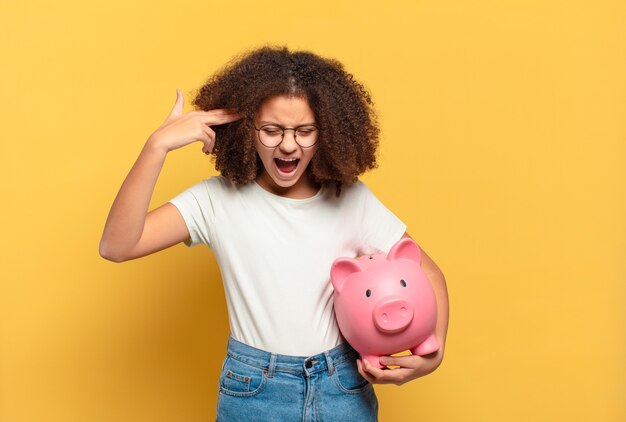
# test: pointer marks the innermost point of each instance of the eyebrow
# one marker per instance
(278, 124)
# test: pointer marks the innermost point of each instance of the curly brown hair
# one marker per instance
(343, 108)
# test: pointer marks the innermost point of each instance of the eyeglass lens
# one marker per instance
(272, 135)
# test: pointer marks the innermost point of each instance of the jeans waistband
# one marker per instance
(273, 362)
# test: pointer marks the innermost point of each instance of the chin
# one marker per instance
(285, 183)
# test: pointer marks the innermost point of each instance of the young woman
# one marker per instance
(290, 133)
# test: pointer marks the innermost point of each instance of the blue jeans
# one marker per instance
(260, 386)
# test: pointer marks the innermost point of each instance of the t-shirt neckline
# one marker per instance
(283, 198)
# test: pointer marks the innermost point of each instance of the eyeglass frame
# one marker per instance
(282, 136)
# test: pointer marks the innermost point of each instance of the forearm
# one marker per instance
(127, 216)
(438, 282)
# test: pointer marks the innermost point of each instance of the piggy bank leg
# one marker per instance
(373, 360)
(429, 345)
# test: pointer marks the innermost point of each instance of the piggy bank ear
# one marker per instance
(405, 248)
(341, 269)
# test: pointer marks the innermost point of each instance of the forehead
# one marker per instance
(286, 110)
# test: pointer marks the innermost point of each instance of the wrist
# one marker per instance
(155, 145)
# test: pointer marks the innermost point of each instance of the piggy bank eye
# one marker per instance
(403, 283)
(368, 293)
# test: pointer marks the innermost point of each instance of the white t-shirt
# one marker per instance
(275, 255)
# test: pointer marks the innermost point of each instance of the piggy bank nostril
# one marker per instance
(384, 317)
(403, 311)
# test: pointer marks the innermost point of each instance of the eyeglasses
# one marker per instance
(272, 135)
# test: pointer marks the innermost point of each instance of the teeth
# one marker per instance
(287, 159)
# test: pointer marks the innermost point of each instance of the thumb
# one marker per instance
(177, 110)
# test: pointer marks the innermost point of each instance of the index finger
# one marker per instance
(221, 115)
(364, 373)
(406, 361)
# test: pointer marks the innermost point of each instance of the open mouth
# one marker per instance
(286, 166)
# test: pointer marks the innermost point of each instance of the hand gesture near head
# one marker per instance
(180, 129)
(130, 231)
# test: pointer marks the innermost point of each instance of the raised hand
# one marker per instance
(180, 129)
(130, 231)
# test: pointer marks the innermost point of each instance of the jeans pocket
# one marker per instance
(241, 379)
(348, 379)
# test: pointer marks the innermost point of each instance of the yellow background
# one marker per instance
(503, 149)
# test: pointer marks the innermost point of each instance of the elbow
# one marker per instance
(109, 253)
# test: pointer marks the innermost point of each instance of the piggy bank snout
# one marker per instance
(393, 315)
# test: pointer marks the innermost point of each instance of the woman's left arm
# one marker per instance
(414, 366)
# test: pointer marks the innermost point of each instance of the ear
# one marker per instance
(341, 269)
(405, 248)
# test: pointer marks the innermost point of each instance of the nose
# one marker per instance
(393, 315)
(289, 144)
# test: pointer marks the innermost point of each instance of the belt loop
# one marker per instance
(329, 363)
(270, 372)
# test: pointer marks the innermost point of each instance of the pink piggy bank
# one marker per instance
(385, 304)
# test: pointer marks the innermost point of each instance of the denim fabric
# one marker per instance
(256, 385)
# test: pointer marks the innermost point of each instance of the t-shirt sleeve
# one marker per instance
(195, 205)
(380, 228)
